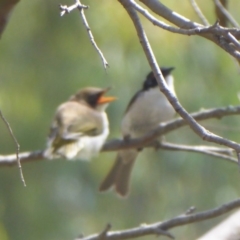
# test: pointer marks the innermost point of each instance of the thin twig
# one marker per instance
(65, 9)
(115, 145)
(162, 227)
(197, 149)
(78, 5)
(104, 61)
(226, 13)
(184, 23)
(17, 147)
(199, 12)
(197, 29)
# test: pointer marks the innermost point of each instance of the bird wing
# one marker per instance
(73, 120)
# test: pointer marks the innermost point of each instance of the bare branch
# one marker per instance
(162, 227)
(234, 41)
(65, 9)
(145, 141)
(78, 5)
(184, 23)
(199, 12)
(226, 13)
(199, 149)
(17, 147)
(198, 30)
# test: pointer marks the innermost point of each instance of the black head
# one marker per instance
(151, 82)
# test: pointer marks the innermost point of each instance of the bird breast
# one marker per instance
(151, 108)
(91, 145)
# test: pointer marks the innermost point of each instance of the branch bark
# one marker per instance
(161, 228)
(145, 141)
(184, 23)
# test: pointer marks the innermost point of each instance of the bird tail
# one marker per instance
(120, 173)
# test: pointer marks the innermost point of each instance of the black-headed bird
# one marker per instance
(145, 111)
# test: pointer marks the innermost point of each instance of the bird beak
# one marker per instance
(106, 99)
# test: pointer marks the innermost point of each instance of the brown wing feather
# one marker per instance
(72, 120)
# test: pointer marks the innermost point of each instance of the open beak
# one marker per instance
(106, 99)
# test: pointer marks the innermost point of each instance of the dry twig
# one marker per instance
(78, 5)
(199, 12)
(17, 147)
(183, 23)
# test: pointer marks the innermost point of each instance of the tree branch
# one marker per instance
(78, 5)
(145, 141)
(229, 33)
(161, 228)
(184, 23)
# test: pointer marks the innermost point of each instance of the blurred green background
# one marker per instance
(45, 58)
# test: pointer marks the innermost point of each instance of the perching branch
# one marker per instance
(145, 141)
(65, 9)
(161, 228)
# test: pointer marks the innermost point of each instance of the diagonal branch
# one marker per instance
(197, 128)
(199, 13)
(184, 23)
(162, 227)
(197, 30)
